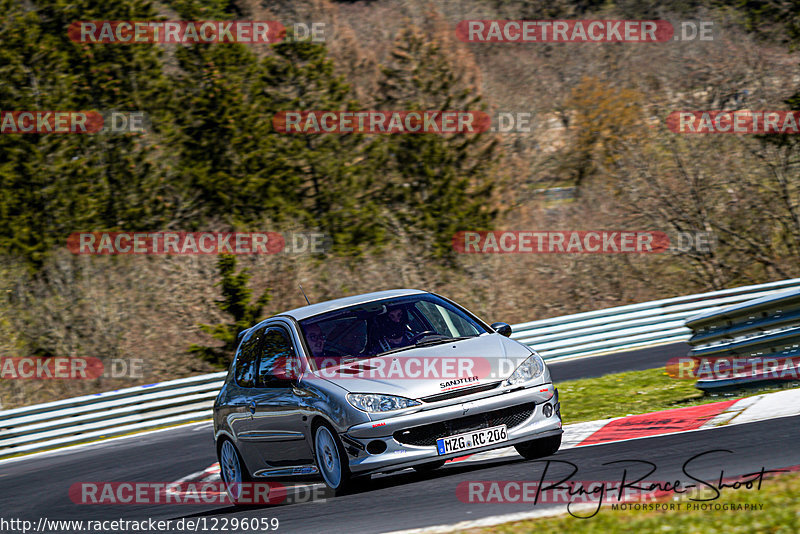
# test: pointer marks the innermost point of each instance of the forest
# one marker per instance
(597, 154)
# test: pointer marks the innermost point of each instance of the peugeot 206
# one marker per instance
(376, 383)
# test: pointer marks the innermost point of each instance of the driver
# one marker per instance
(396, 333)
(316, 340)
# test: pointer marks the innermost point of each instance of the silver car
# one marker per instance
(376, 383)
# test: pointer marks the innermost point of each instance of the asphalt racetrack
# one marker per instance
(38, 486)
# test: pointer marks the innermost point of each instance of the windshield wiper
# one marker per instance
(440, 341)
(422, 343)
(392, 351)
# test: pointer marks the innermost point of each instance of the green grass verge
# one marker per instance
(633, 393)
(780, 513)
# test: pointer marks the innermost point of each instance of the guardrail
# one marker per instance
(633, 326)
(751, 343)
(104, 415)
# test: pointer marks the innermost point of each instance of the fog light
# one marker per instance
(376, 447)
(547, 410)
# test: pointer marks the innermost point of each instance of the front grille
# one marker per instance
(459, 392)
(426, 435)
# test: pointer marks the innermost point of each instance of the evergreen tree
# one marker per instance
(55, 184)
(331, 174)
(220, 138)
(235, 302)
(436, 185)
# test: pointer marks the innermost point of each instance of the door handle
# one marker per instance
(252, 407)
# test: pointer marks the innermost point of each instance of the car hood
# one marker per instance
(424, 371)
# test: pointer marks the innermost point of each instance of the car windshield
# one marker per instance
(389, 325)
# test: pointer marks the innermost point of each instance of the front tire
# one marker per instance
(232, 471)
(539, 448)
(331, 460)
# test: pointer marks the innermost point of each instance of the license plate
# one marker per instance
(472, 440)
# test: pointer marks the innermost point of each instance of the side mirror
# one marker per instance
(286, 370)
(502, 328)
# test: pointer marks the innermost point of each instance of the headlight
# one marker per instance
(531, 368)
(373, 402)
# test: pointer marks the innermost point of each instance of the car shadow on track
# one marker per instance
(316, 492)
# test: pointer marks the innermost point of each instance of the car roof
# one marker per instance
(329, 305)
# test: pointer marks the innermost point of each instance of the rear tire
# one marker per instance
(428, 467)
(332, 460)
(539, 448)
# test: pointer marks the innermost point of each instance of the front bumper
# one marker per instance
(374, 447)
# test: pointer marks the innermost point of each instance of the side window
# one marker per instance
(246, 360)
(278, 361)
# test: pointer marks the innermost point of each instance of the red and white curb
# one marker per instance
(701, 417)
